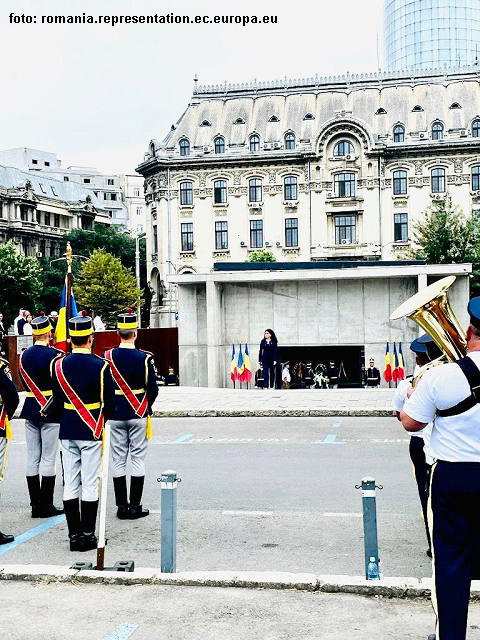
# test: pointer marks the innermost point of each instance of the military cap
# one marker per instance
(41, 325)
(80, 326)
(425, 339)
(418, 347)
(474, 312)
(127, 320)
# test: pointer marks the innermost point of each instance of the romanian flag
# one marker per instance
(401, 365)
(395, 363)
(247, 372)
(387, 373)
(233, 366)
(240, 365)
(60, 339)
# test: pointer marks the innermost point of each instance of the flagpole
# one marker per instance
(68, 257)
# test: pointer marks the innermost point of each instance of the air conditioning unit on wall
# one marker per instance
(268, 244)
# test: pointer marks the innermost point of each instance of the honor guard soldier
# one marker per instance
(448, 395)
(85, 385)
(332, 375)
(8, 403)
(133, 373)
(172, 379)
(259, 378)
(42, 418)
(309, 375)
(373, 375)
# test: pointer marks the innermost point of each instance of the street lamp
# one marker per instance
(138, 237)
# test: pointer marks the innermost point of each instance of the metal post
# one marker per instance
(168, 485)
(137, 274)
(369, 521)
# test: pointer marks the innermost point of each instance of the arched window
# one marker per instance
(476, 128)
(438, 180)
(455, 105)
(417, 108)
(219, 145)
(290, 188)
(254, 142)
(399, 133)
(476, 178)
(239, 121)
(184, 147)
(274, 119)
(437, 131)
(205, 123)
(309, 116)
(399, 183)
(255, 190)
(220, 192)
(343, 148)
(186, 193)
(380, 111)
(290, 141)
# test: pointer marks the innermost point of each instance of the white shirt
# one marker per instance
(98, 324)
(27, 329)
(286, 375)
(399, 399)
(454, 438)
(15, 324)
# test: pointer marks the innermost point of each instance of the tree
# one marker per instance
(20, 282)
(446, 236)
(106, 286)
(262, 256)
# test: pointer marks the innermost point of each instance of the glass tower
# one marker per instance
(425, 34)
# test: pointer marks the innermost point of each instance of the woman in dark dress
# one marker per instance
(269, 356)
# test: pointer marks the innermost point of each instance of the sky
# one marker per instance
(96, 94)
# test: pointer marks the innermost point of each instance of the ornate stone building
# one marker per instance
(331, 168)
(37, 211)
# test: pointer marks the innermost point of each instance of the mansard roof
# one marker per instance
(377, 102)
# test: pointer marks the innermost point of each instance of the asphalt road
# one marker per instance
(256, 494)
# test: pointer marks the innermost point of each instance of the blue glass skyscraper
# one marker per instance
(425, 34)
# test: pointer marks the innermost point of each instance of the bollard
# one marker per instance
(168, 485)
(369, 521)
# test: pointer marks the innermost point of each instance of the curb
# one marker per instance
(387, 587)
(387, 412)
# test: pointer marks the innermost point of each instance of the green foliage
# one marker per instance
(106, 286)
(262, 256)
(446, 236)
(20, 282)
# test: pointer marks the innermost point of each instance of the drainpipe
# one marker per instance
(380, 200)
(310, 209)
(169, 244)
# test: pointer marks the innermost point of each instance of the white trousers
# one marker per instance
(82, 460)
(42, 445)
(3, 457)
(128, 436)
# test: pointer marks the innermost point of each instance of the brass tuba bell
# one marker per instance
(431, 309)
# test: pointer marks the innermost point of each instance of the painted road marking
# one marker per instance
(247, 513)
(328, 514)
(180, 440)
(31, 533)
(123, 631)
(22, 442)
(331, 438)
(337, 423)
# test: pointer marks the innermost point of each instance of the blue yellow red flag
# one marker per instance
(60, 339)
(233, 366)
(247, 371)
(387, 372)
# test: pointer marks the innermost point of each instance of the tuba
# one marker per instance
(431, 310)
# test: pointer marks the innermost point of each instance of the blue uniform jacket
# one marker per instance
(136, 368)
(90, 377)
(8, 393)
(37, 362)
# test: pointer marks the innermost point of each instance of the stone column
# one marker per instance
(422, 281)
(214, 333)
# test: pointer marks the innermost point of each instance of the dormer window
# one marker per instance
(274, 119)
(205, 123)
(476, 128)
(309, 116)
(380, 111)
(399, 133)
(437, 131)
(255, 142)
(417, 108)
(239, 121)
(219, 145)
(184, 147)
(455, 105)
(290, 141)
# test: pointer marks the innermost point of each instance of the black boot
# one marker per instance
(5, 538)
(136, 489)
(33, 483)
(89, 519)
(72, 513)
(46, 496)
(121, 500)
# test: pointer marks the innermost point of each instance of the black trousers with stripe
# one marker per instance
(455, 528)
(422, 475)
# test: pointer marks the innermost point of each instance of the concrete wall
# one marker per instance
(302, 313)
